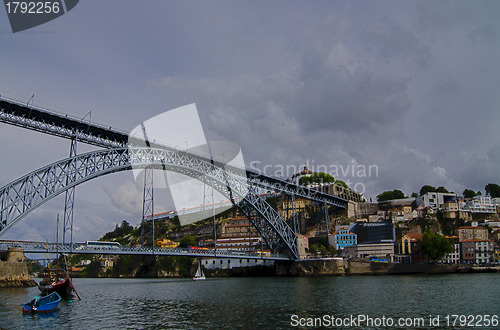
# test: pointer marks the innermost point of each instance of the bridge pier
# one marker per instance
(13, 271)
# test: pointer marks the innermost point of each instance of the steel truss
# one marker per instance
(42, 120)
(79, 248)
(25, 194)
(69, 201)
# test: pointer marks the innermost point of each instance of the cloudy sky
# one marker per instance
(410, 87)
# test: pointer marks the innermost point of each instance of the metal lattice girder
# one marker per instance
(69, 201)
(148, 201)
(263, 228)
(23, 195)
(42, 120)
(291, 212)
(82, 248)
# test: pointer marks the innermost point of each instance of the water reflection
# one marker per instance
(251, 303)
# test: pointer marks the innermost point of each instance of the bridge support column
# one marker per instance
(323, 220)
(69, 201)
(291, 213)
(208, 199)
(148, 201)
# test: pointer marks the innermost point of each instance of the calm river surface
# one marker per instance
(260, 303)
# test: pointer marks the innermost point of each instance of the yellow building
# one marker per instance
(408, 241)
(407, 213)
(300, 207)
(166, 243)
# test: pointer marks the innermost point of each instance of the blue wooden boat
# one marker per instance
(42, 304)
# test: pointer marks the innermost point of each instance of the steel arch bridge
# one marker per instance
(20, 197)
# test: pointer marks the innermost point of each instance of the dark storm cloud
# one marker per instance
(408, 86)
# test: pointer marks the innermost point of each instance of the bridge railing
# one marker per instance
(81, 248)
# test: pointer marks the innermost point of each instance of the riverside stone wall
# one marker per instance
(339, 267)
(13, 271)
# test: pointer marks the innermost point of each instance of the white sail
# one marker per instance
(199, 274)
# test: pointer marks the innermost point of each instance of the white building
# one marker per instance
(229, 263)
(480, 205)
(484, 251)
(435, 200)
(453, 257)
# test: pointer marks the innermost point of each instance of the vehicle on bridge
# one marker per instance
(197, 249)
(101, 244)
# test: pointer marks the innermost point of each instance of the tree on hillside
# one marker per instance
(122, 230)
(442, 190)
(342, 183)
(492, 190)
(468, 193)
(188, 241)
(389, 195)
(320, 177)
(435, 246)
(427, 188)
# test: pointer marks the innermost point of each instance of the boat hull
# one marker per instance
(63, 287)
(42, 304)
(198, 278)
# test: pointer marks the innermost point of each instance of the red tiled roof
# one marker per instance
(417, 236)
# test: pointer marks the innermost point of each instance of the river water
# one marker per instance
(266, 303)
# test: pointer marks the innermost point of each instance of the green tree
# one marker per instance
(94, 268)
(467, 193)
(435, 246)
(188, 241)
(442, 190)
(492, 190)
(342, 183)
(427, 188)
(389, 195)
(322, 249)
(414, 195)
(123, 229)
(332, 250)
(320, 177)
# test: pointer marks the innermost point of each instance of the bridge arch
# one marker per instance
(22, 196)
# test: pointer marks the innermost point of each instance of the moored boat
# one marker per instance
(56, 280)
(42, 304)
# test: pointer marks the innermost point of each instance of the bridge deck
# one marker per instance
(46, 121)
(82, 248)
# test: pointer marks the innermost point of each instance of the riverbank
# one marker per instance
(13, 270)
(342, 267)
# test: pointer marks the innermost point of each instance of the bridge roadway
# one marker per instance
(46, 121)
(82, 248)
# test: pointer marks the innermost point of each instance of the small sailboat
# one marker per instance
(199, 274)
